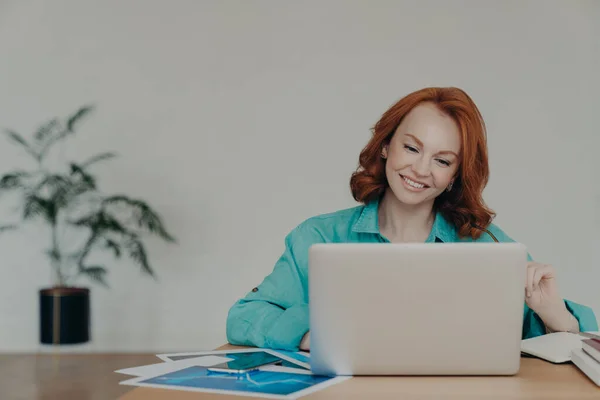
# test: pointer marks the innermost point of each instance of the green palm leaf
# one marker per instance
(15, 137)
(14, 180)
(82, 182)
(36, 206)
(45, 131)
(146, 218)
(79, 173)
(70, 129)
(74, 119)
(137, 252)
(97, 158)
(111, 244)
(96, 273)
(100, 222)
(56, 188)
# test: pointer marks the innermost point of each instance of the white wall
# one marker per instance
(238, 119)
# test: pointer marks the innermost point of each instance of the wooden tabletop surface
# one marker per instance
(66, 376)
(92, 377)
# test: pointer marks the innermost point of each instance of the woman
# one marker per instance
(421, 179)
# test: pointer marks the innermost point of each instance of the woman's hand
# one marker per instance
(542, 296)
(541, 290)
(305, 343)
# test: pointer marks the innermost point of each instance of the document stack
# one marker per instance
(587, 359)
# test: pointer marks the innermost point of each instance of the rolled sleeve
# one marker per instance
(584, 315)
(287, 331)
(275, 314)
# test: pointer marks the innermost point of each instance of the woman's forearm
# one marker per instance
(559, 319)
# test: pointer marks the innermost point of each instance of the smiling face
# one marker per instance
(423, 155)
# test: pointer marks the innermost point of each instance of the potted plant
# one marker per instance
(67, 199)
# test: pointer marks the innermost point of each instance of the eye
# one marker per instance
(411, 148)
(444, 162)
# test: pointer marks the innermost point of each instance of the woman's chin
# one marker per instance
(412, 198)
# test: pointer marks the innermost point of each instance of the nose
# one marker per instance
(421, 167)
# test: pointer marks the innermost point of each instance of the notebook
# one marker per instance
(554, 347)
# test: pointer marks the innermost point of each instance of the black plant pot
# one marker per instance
(64, 315)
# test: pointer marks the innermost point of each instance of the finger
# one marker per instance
(537, 277)
(546, 272)
(530, 273)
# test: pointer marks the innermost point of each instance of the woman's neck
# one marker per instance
(400, 222)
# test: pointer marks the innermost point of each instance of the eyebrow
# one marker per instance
(416, 139)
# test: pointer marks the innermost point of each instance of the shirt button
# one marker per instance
(255, 290)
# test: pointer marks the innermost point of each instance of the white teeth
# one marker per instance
(413, 183)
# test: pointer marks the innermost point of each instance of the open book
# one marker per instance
(562, 347)
(554, 347)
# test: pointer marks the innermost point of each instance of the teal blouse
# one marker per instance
(275, 314)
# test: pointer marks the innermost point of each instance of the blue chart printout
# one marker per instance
(279, 382)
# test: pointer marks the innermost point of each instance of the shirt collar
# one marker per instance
(368, 222)
(442, 229)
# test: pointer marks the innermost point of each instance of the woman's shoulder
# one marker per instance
(330, 223)
(341, 217)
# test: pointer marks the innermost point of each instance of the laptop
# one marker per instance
(416, 308)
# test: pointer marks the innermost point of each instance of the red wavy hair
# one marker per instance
(463, 205)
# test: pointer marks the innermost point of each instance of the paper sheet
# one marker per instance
(261, 383)
(300, 358)
(182, 372)
(166, 367)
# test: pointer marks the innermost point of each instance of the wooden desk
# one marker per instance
(537, 379)
(91, 377)
(66, 376)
